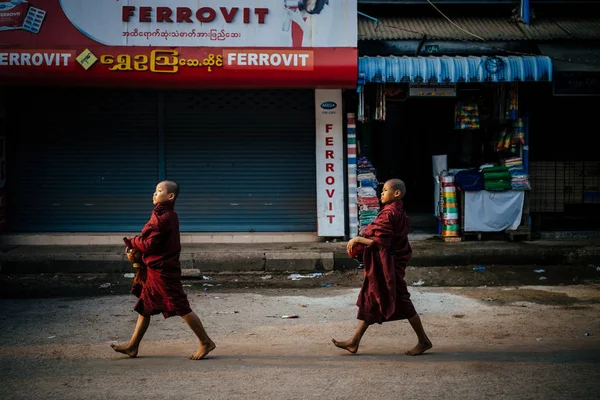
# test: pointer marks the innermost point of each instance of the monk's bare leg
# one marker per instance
(352, 344)
(131, 348)
(424, 342)
(206, 344)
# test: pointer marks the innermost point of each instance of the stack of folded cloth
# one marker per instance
(519, 178)
(496, 178)
(367, 180)
(368, 202)
(363, 165)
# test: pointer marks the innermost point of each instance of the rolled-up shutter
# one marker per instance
(81, 159)
(245, 160)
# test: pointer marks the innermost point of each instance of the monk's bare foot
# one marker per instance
(347, 345)
(420, 348)
(203, 351)
(125, 349)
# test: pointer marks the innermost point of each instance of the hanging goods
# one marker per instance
(466, 116)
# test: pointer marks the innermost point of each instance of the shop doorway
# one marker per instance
(402, 147)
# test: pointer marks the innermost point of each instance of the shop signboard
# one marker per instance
(576, 83)
(330, 163)
(432, 91)
(182, 43)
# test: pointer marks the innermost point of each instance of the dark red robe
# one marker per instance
(158, 285)
(384, 295)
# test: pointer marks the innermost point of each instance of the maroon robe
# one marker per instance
(158, 285)
(384, 295)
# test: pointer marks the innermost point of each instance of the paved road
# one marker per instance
(504, 343)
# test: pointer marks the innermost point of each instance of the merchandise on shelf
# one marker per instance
(519, 179)
(368, 202)
(496, 178)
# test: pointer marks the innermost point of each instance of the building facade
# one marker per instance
(238, 101)
(417, 62)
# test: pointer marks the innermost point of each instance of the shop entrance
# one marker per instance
(402, 147)
(474, 128)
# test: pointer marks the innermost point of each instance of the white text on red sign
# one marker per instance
(34, 58)
(269, 59)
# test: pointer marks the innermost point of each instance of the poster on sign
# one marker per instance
(181, 43)
(330, 163)
(214, 23)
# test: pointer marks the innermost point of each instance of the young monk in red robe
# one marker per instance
(385, 250)
(158, 283)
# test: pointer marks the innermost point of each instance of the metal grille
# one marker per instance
(81, 159)
(245, 159)
(556, 184)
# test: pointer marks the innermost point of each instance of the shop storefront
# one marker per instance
(565, 167)
(239, 101)
(455, 129)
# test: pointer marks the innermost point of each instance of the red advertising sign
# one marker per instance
(219, 44)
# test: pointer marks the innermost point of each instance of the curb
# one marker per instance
(89, 260)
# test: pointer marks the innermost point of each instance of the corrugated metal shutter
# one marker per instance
(245, 160)
(81, 159)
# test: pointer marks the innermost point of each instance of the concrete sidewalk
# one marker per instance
(297, 257)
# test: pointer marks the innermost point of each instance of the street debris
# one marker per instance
(420, 282)
(297, 277)
(227, 312)
(265, 277)
(51, 337)
(105, 286)
(129, 275)
(480, 268)
(207, 284)
(289, 316)
(326, 284)
(490, 299)
(539, 271)
(187, 285)
(543, 278)
(598, 269)
(302, 305)
(207, 278)
(586, 334)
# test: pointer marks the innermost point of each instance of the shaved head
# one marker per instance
(397, 184)
(172, 187)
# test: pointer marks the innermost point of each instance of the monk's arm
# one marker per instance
(149, 242)
(381, 231)
(363, 240)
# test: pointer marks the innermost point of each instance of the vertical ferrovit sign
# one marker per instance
(330, 163)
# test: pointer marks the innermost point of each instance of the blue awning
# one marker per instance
(454, 69)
